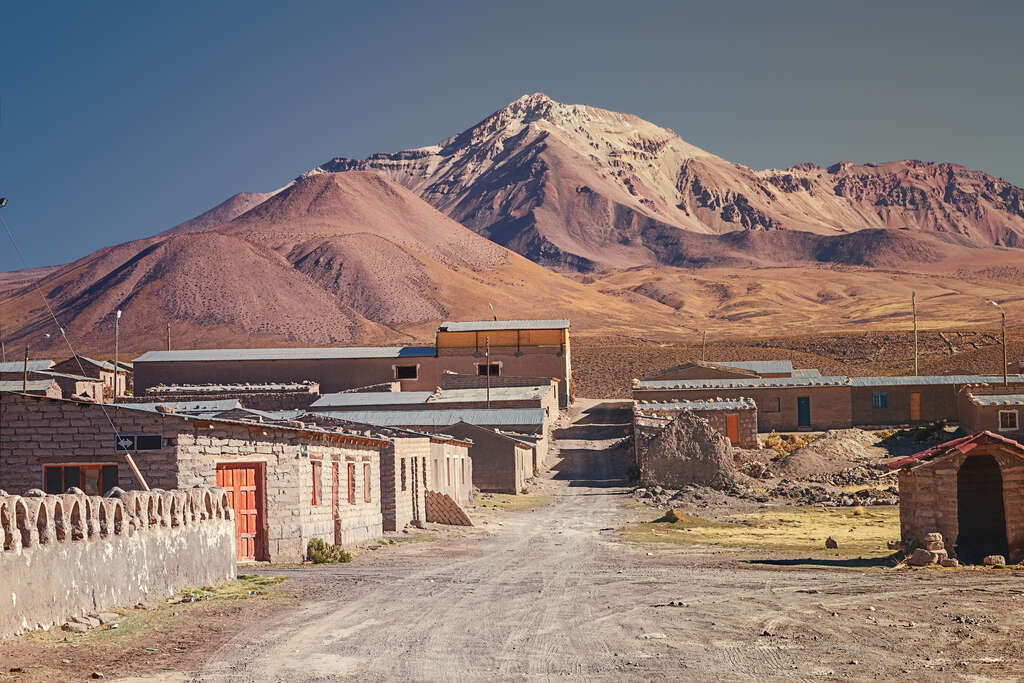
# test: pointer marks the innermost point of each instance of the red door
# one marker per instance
(732, 428)
(243, 483)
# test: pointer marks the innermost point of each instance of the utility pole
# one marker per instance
(24, 383)
(168, 336)
(913, 301)
(117, 368)
(1003, 314)
(487, 347)
(703, 346)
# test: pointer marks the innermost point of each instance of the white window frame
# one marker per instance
(493, 362)
(1016, 421)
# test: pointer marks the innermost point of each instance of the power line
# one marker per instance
(78, 360)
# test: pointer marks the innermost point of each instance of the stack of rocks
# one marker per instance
(932, 551)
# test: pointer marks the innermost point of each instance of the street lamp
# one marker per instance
(1003, 314)
(117, 328)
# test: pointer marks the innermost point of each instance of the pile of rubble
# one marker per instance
(932, 551)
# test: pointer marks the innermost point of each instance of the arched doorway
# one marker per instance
(980, 512)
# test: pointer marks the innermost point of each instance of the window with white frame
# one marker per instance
(1009, 421)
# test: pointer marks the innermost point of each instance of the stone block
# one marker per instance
(934, 545)
(992, 560)
(921, 558)
(949, 562)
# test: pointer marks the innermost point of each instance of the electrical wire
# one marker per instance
(63, 334)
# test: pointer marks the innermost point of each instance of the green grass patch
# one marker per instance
(510, 503)
(785, 530)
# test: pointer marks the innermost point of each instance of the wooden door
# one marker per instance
(915, 406)
(243, 483)
(732, 428)
(803, 411)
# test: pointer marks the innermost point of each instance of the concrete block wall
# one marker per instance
(400, 507)
(68, 555)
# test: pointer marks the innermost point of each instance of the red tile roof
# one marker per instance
(964, 444)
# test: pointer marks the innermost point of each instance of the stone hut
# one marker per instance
(971, 490)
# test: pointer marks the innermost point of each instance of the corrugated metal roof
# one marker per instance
(838, 380)
(759, 366)
(488, 325)
(371, 398)
(65, 375)
(19, 366)
(708, 404)
(33, 385)
(442, 418)
(931, 379)
(475, 395)
(964, 444)
(806, 372)
(287, 353)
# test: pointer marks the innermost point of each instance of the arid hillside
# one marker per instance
(583, 188)
(331, 259)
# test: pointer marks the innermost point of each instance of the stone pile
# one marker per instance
(931, 551)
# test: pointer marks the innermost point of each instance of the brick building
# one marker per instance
(996, 409)
(500, 463)
(735, 419)
(287, 484)
(970, 490)
(818, 403)
(72, 385)
(531, 348)
(97, 369)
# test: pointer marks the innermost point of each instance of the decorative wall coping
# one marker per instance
(39, 520)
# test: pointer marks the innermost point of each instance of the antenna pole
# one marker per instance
(24, 382)
(913, 302)
(487, 343)
(168, 336)
(703, 345)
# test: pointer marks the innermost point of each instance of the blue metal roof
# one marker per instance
(33, 385)
(489, 325)
(442, 418)
(371, 398)
(325, 353)
(474, 395)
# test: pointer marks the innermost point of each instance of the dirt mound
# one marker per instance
(836, 450)
(687, 451)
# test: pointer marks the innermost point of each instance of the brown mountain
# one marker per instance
(331, 259)
(583, 188)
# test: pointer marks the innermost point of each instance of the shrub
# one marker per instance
(320, 552)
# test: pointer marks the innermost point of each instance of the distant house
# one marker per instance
(993, 408)
(41, 387)
(488, 348)
(734, 418)
(97, 369)
(73, 386)
(970, 491)
(501, 463)
(15, 369)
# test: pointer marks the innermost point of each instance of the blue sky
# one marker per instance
(119, 121)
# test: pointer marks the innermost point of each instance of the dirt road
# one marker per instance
(554, 593)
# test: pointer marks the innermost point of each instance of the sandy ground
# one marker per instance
(556, 593)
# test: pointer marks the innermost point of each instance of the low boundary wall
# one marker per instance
(71, 554)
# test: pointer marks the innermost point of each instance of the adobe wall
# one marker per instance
(938, 402)
(461, 466)
(291, 519)
(496, 465)
(402, 499)
(776, 407)
(68, 555)
(258, 400)
(339, 374)
(35, 432)
(928, 500)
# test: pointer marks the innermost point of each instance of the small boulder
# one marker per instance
(933, 545)
(671, 516)
(933, 536)
(949, 562)
(895, 545)
(75, 627)
(993, 560)
(831, 543)
(920, 558)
